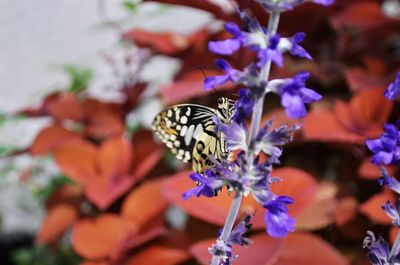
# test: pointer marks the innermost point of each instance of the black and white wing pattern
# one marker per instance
(188, 130)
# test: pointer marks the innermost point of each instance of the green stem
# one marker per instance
(255, 124)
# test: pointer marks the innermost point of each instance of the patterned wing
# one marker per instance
(208, 145)
(180, 126)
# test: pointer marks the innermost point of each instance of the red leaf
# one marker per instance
(58, 219)
(321, 212)
(366, 113)
(66, 106)
(368, 170)
(103, 237)
(332, 131)
(205, 5)
(77, 161)
(307, 249)
(144, 203)
(50, 138)
(292, 179)
(104, 123)
(264, 250)
(346, 210)
(373, 207)
(363, 15)
(215, 209)
(393, 234)
(94, 263)
(189, 86)
(162, 42)
(147, 154)
(156, 255)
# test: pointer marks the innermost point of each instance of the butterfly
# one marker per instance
(189, 131)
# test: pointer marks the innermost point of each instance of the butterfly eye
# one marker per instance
(220, 101)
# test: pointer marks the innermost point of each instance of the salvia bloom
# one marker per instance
(390, 182)
(386, 149)
(393, 212)
(379, 252)
(284, 5)
(294, 94)
(257, 39)
(224, 249)
(393, 91)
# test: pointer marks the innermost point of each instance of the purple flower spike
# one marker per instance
(207, 185)
(393, 91)
(230, 75)
(379, 250)
(272, 53)
(386, 149)
(393, 212)
(294, 94)
(296, 49)
(277, 219)
(390, 182)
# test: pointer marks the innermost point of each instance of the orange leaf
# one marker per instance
(115, 157)
(147, 154)
(103, 124)
(144, 203)
(66, 106)
(50, 138)
(94, 263)
(156, 255)
(292, 179)
(321, 212)
(346, 210)
(307, 249)
(58, 219)
(332, 131)
(103, 237)
(393, 234)
(264, 250)
(366, 113)
(77, 161)
(373, 207)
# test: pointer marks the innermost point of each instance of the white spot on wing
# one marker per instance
(184, 119)
(198, 131)
(189, 135)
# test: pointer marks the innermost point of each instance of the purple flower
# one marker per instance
(294, 94)
(390, 182)
(268, 142)
(230, 75)
(223, 251)
(379, 250)
(284, 5)
(292, 45)
(237, 235)
(393, 212)
(243, 106)
(386, 149)
(393, 91)
(235, 136)
(277, 219)
(208, 185)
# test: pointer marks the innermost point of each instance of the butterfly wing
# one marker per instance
(180, 126)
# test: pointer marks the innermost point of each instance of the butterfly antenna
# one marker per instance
(205, 75)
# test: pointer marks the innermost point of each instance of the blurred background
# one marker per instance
(82, 81)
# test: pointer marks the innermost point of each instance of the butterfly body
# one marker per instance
(189, 131)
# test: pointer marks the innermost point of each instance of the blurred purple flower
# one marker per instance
(390, 182)
(235, 136)
(237, 235)
(386, 149)
(208, 185)
(393, 212)
(393, 91)
(284, 5)
(243, 106)
(230, 75)
(379, 250)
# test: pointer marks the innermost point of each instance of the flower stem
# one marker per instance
(258, 108)
(255, 124)
(396, 246)
(230, 220)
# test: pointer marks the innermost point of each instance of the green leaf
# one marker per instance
(131, 5)
(80, 77)
(42, 255)
(54, 185)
